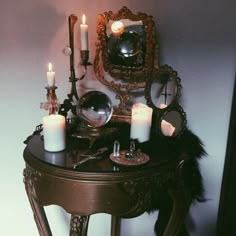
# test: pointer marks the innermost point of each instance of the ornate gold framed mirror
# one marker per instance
(125, 55)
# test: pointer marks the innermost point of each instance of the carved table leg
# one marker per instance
(79, 225)
(179, 211)
(39, 214)
(115, 226)
(181, 201)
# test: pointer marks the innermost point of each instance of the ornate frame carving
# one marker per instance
(122, 71)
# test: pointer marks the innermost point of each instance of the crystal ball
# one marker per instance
(95, 108)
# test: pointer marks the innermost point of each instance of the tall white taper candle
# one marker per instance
(50, 76)
(84, 34)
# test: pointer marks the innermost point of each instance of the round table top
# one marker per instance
(77, 151)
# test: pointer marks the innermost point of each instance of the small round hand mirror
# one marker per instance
(162, 88)
(172, 122)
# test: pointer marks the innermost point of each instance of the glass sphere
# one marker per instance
(95, 108)
(67, 50)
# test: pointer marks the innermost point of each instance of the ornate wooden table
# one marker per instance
(101, 186)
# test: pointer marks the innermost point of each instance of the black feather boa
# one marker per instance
(189, 147)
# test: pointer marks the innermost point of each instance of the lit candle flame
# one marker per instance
(50, 67)
(83, 19)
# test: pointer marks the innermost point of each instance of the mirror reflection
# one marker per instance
(126, 42)
(172, 122)
(163, 88)
(163, 94)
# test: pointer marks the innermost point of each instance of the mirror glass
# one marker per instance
(172, 122)
(163, 88)
(163, 94)
(126, 42)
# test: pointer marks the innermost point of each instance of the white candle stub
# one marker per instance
(141, 122)
(54, 127)
(50, 76)
(84, 34)
(167, 128)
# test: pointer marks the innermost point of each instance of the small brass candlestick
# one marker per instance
(52, 105)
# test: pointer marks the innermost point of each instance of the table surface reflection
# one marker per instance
(75, 151)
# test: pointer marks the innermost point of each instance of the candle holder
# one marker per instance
(52, 105)
(85, 58)
(70, 103)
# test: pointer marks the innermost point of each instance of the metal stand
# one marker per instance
(70, 103)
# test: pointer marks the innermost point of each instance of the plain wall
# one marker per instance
(196, 38)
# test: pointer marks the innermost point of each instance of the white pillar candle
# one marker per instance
(54, 133)
(84, 34)
(141, 122)
(50, 76)
(56, 158)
